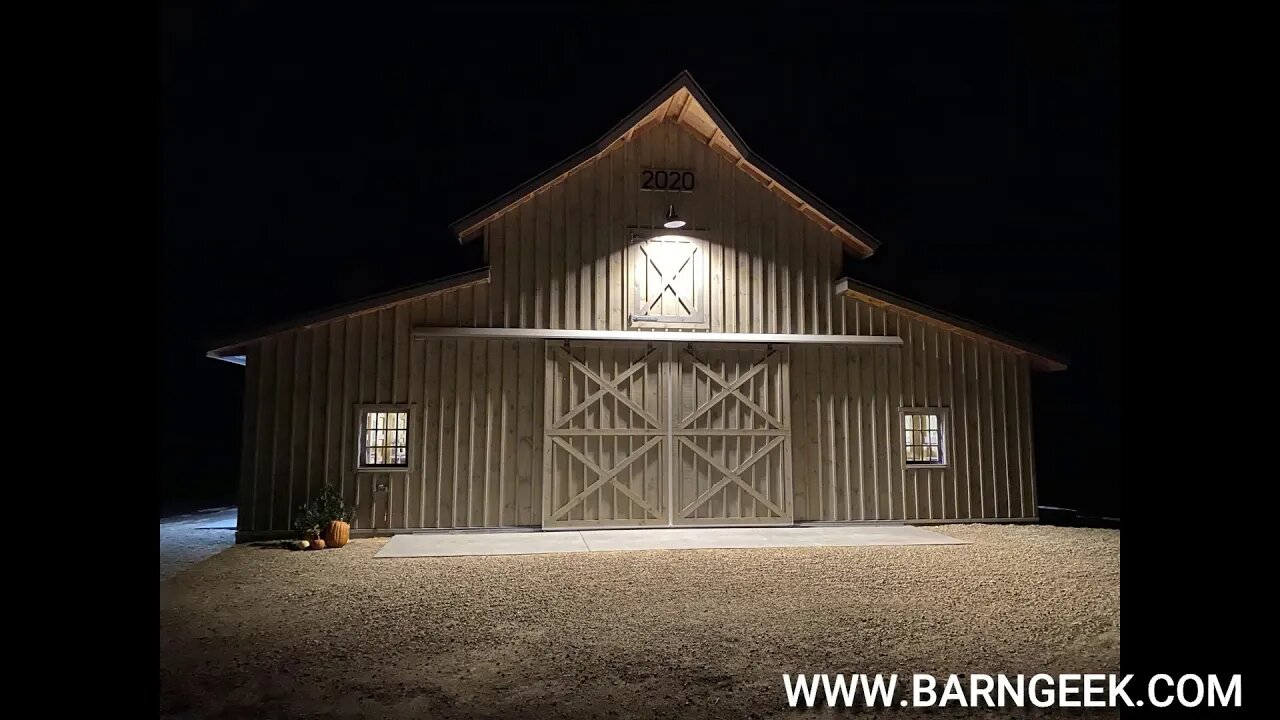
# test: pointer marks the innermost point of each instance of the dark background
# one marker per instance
(310, 157)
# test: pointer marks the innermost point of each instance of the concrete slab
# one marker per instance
(506, 543)
(693, 538)
(187, 539)
(481, 543)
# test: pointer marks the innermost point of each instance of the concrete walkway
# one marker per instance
(187, 539)
(573, 541)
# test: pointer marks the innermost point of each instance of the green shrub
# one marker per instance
(309, 520)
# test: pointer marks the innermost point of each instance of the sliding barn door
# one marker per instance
(731, 435)
(604, 459)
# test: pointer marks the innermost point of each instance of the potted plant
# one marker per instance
(325, 522)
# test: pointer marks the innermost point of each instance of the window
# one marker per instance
(384, 437)
(924, 439)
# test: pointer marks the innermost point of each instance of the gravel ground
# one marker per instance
(187, 539)
(262, 632)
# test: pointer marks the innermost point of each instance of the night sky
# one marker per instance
(310, 158)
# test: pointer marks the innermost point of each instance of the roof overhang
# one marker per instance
(233, 350)
(683, 102)
(1040, 358)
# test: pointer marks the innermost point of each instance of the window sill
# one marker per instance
(928, 466)
(387, 469)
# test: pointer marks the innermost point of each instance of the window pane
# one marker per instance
(402, 420)
(370, 420)
(400, 438)
(908, 419)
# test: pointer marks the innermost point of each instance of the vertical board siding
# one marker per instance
(849, 462)
(467, 397)
(249, 436)
(558, 260)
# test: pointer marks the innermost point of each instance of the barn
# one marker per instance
(661, 335)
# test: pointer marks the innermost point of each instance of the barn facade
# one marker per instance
(661, 336)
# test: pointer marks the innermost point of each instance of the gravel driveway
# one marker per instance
(262, 632)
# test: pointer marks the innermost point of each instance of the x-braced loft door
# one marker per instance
(604, 453)
(628, 426)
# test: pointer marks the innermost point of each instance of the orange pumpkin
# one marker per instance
(317, 544)
(337, 534)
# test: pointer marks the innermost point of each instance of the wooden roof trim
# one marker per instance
(372, 303)
(1040, 358)
(727, 141)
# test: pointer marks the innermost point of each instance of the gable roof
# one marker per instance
(1040, 358)
(683, 102)
(232, 349)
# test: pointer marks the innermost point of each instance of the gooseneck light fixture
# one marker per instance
(673, 220)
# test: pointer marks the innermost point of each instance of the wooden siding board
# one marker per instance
(1013, 436)
(853, 437)
(491, 509)
(463, 431)
(510, 440)
(986, 444)
(754, 250)
(525, 430)
(868, 435)
(999, 447)
(555, 245)
(299, 425)
(799, 418)
(716, 251)
(913, 477)
(248, 437)
(317, 404)
(428, 498)
(282, 476)
(540, 242)
(477, 447)
(414, 481)
(572, 255)
(832, 393)
(901, 498)
(613, 215)
(1028, 446)
(264, 432)
(448, 432)
(333, 438)
(350, 392)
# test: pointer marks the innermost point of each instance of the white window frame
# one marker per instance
(411, 426)
(944, 436)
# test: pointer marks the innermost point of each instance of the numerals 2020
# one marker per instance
(667, 180)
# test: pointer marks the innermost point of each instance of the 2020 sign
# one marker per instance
(667, 180)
